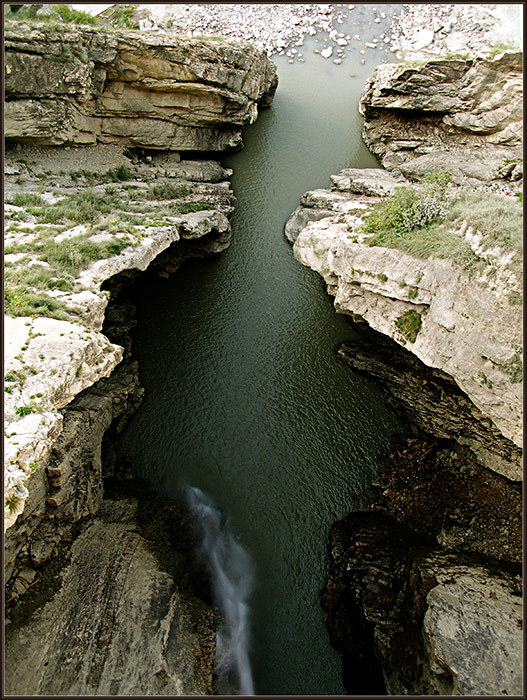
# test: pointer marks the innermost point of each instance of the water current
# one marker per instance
(246, 407)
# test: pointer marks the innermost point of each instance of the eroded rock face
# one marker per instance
(468, 330)
(126, 618)
(424, 593)
(67, 85)
(462, 115)
(49, 361)
(440, 624)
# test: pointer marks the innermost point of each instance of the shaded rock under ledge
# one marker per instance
(127, 616)
(425, 587)
(440, 624)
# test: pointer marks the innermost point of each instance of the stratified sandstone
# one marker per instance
(459, 114)
(72, 85)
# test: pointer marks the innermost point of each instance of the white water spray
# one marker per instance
(231, 574)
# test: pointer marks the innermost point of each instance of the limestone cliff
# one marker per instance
(72, 85)
(462, 114)
(423, 593)
(97, 194)
(468, 328)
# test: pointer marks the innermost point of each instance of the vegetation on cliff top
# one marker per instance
(57, 13)
(432, 218)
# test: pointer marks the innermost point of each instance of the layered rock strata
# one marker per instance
(469, 331)
(424, 589)
(72, 85)
(126, 616)
(48, 361)
(461, 114)
(98, 194)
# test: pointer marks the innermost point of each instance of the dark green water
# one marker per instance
(244, 397)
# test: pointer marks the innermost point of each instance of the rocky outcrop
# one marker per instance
(459, 114)
(424, 589)
(440, 624)
(103, 593)
(72, 85)
(125, 618)
(48, 361)
(466, 327)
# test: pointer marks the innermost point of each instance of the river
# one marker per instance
(245, 399)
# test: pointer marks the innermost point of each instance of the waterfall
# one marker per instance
(231, 574)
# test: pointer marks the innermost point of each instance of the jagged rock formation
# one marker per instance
(427, 583)
(48, 361)
(72, 85)
(439, 623)
(470, 331)
(459, 114)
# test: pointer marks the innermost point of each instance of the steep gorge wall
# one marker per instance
(68, 85)
(77, 101)
(462, 114)
(424, 588)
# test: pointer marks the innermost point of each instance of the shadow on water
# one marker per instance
(245, 399)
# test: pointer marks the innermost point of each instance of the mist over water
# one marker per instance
(232, 578)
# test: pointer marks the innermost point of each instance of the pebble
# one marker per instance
(327, 52)
(337, 61)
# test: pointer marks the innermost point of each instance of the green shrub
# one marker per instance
(500, 47)
(167, 190)
(124, 17)
(22, 199)
(58, 13)
(409, 325)
(24, 410)
(11, 503)
(409, 208)
(515, 298)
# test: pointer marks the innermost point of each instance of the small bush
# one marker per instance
(409, 325)
(409, 208)
(500, 47)
(26, 199)
(58, 13)
(167, 190)
(24, 410)
(11, 503)
(124, 17)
